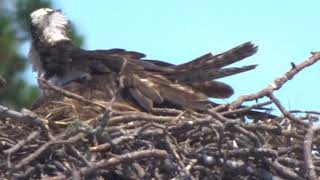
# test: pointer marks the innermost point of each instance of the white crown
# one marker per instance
(52, 23)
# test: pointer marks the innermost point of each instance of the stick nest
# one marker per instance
(82, 140)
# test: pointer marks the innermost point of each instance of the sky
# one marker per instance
(180, 30)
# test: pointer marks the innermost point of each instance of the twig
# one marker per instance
(74, 152)
(284, 111)
(141, 117)
(125, 158)
(246, 109)
(249, 134)
(307, 146)
(107, 115)
(306, 112)
(277, 83)
(66, 93)
(218, 116)
(173, 151)
(116, 141)
(166, 111)
(41, 149)
(24, 118)
(283, 171)
(21, 143)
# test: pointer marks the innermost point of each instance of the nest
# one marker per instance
(76, 138)
(81, 140)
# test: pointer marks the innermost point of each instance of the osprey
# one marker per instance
(146, 83)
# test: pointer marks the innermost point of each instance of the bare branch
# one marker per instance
(277, 83)
(126, 158)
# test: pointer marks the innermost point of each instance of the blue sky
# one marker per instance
(180, 30)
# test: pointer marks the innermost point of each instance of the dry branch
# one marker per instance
(277, 83)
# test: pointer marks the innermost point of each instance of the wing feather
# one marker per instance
(147, 88)
(213, 89)
(141, 99)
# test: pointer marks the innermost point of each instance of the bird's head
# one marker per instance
(48, 25)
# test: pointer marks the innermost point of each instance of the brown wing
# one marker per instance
(213, 89)
(150, 83)
(209, 67)
(200, 72)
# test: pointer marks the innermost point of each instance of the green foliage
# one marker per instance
(14, 32)
(22, 17)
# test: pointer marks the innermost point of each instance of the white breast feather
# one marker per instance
(35, 60)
